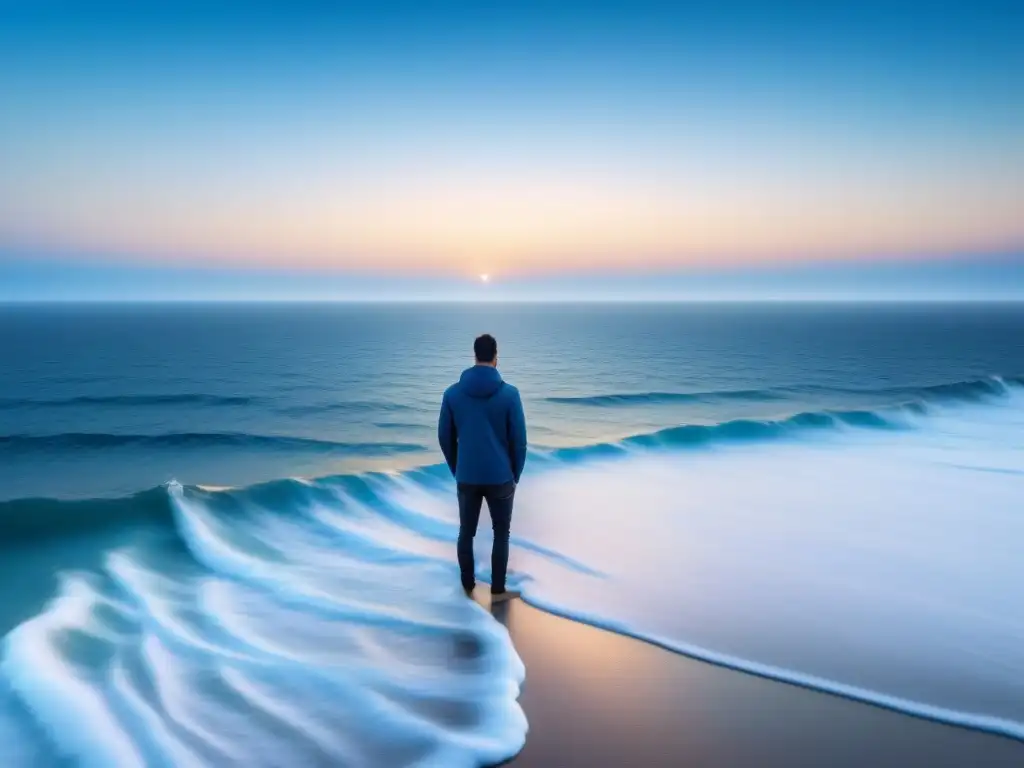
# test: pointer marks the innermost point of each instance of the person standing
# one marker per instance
(482, 433)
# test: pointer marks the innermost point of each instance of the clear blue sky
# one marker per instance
(291, 150)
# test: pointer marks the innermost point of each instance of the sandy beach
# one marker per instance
(594, 698)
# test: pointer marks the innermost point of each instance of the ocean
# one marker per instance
(228, 538)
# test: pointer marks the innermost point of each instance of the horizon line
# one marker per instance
(1017, 299)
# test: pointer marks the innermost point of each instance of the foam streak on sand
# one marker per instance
(871, 555)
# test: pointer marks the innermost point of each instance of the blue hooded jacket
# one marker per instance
(482, 429)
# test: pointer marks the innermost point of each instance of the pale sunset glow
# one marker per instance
(537, 143)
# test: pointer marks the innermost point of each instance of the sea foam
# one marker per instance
(310, 632)
(872, 557)
(878, 564)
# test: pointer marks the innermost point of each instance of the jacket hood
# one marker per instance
(480, 381)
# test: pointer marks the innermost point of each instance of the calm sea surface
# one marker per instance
(106, 400)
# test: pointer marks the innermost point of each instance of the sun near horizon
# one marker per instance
(157, 149)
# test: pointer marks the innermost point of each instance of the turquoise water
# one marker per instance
(236, 545)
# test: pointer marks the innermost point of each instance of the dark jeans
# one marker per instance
(499, 504)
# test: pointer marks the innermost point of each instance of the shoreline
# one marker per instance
(596, 698)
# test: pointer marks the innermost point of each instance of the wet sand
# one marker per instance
(594, 698)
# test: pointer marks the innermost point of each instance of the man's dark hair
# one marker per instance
(485, 348)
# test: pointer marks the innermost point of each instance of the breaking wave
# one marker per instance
(964, 391)
(288, 623)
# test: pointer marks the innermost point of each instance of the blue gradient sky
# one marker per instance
(185, 150)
